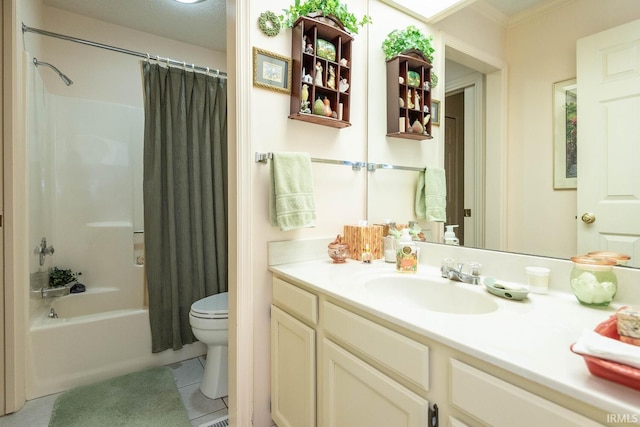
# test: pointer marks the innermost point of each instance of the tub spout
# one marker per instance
(52, 314)
(55, 292)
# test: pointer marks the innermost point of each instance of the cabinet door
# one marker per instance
(354, 394)
(293, 361)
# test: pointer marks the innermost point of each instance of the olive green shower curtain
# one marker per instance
(185, 196)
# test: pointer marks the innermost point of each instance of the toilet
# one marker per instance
(209, 319)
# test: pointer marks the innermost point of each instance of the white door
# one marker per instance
(608, 80)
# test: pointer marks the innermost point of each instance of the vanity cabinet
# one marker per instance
(496, 402)
(321, 70)
(408, 97)
(365, 371)
(335, 363)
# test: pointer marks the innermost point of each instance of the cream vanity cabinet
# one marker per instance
(495, 402)
(362, 367)
(336, 365)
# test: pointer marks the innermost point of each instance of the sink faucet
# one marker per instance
(451, 272)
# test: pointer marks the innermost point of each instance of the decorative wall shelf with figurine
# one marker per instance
(409, 97)
(320, 88)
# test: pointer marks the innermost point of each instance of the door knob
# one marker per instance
(588, 218)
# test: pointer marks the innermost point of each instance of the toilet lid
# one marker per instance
(212, 307)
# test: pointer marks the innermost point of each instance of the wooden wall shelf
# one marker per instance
(307, 32)
(401, 117)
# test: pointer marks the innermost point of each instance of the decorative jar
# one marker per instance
(338, 250)
(593, 281)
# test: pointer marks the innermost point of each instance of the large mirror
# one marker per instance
(498, 61)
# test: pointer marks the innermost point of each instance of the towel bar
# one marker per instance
(356, 166)
(371, 167)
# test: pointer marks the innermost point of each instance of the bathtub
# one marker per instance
(95, 337)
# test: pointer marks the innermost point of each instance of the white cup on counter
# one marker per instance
(538, 279)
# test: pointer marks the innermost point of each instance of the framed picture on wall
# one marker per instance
(271, 71)
(435, 112)
(565, 135)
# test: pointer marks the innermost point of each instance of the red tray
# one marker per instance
(612, 371)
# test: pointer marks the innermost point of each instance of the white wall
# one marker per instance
(540, 52)
(339, 191)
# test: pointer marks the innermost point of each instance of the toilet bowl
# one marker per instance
(209, 318)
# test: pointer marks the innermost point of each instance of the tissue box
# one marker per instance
(358, 236)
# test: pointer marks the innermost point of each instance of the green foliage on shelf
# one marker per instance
(398, 41)
(325, 7)
(59, 277)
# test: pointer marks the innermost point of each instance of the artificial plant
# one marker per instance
(399, 41)
(325, 7)
(60, 277)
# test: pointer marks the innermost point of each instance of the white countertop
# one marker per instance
(530, 338)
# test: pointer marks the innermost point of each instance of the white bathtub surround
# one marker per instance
(529, 339)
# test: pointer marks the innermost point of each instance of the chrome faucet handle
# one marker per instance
(446, 266)
(474, 268)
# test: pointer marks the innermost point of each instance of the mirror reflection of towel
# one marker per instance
(431, 195)
(291, 201)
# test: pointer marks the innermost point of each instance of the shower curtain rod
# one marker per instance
(158, 58)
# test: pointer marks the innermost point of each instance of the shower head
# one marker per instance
(63, 76)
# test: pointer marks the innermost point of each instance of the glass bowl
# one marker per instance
(593, 281)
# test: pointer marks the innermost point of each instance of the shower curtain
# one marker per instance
(185, 196)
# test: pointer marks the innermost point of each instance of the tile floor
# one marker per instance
(188, 373)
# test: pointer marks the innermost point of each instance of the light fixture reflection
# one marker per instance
(189, 1)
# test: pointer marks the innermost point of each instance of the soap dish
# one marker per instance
(505, 289)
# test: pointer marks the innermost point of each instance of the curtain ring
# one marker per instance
(148, 58)
(207, 71)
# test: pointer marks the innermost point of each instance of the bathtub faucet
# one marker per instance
(54, 292)
(52, 314)
(43, 250)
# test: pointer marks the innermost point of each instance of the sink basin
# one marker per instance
(428, 294)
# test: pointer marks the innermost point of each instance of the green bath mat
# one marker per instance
(146, 398)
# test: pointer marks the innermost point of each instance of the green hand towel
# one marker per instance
(435, 194)
(420, 205)
(292, 204)
(431, 195)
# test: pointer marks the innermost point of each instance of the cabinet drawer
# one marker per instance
(295, 301)
(498, 403)
(402, 355)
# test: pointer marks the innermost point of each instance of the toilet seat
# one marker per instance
(212, 307)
